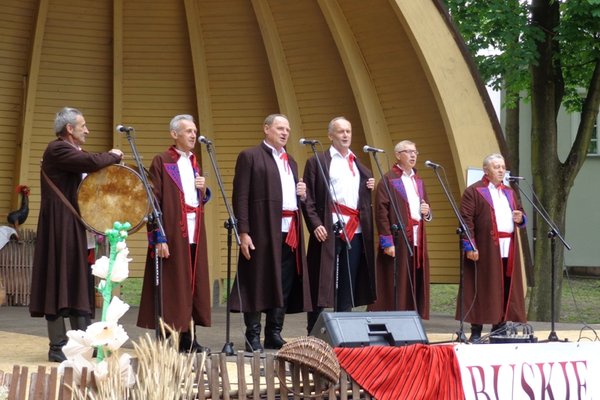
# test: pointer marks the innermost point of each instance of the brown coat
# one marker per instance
(185, 287)
(385, 217)
(257, 205)
(484, 280)
(61, 277)
(320, 256)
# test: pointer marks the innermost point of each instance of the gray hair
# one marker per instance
(270, 118)
(332, 123)
(174, 124)
(403, 144)
(494, 156)
(67, 115)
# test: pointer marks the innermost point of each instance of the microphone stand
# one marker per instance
(553, 233)
(230, 225)
(460, 231)
(338, 228)
(154, 221)
(395, 228)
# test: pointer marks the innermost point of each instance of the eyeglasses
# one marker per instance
(415, 152)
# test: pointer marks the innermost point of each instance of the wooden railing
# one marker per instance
(258, 376)
(16, 260)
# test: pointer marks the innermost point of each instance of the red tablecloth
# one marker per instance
(410, 372)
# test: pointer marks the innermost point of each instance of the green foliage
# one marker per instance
(503, 43)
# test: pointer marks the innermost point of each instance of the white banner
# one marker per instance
(556, 370)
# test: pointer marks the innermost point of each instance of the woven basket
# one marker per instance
(314, 353)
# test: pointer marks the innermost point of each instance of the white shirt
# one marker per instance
(414, 201)
(343, 184)
(190, 193)
(503, 214)
(288, 186)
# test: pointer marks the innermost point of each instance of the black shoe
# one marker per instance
(273, 328)
(253, 344)
(252, 322)
(56, 355)
(475, 333)
(274, 341)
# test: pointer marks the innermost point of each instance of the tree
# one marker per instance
(549, 52)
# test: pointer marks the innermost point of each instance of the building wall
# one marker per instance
(583, 218)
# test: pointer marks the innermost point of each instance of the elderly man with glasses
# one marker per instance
(410, 291)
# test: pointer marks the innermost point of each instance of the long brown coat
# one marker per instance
(185, 287)
(61, 278)
(484, 280)
(257, 205)
(385, 217)
(321, 256)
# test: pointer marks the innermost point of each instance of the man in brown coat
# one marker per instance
(351, 186)
(62, 283)
(181, 192)
(409, 198)
(493, 282)
(272, 273)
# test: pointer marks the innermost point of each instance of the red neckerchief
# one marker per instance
(351, 158)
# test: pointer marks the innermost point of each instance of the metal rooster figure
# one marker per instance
(18, 217)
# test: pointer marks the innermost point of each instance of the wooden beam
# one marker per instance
(205, 128)
(30, 88)
(282, 78)
(117, 71)
(365, 94)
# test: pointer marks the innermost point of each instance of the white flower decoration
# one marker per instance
(78, 345)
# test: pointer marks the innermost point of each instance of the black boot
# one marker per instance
(189, 344)
(475, 333)
(499, 329)
(273, 327)
(311, 319)
(80, 322)
(58, 338)
(252, 321)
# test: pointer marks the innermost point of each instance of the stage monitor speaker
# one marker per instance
(375, 328)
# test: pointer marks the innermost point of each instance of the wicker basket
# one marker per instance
(313, 353)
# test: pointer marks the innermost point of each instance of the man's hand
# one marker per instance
(162, 250)
(371, 183)
(246, 245)
(301, 190)
(517, 217)
(473, 255)
(321, 233)
(390, 251)
(425, 210)
(200, 183)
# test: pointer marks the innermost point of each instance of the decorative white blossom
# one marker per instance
(120, 269)
(125, 370)
(108, 334)
(79, 344)
(77, 363)
(116, 309)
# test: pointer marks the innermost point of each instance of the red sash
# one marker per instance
(292, 236)
(353, 220)
(291, 239)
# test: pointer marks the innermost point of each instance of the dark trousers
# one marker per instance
(348, 263)
(288, 270)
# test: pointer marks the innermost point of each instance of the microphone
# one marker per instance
(124, 129)
(432, 164)
(308, 141)
(515, 178)
(367, 149)
(203, 139)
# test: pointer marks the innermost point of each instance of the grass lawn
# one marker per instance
(580, 300)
